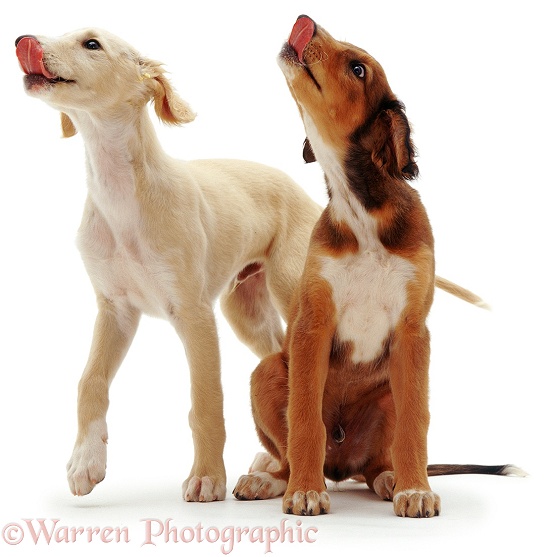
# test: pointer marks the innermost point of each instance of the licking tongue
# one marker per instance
(29, 53)
(302, 33)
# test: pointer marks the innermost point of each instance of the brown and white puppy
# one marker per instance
(348, 394)
(166, 238)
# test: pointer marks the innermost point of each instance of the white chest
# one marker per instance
(124, 268)
(121, 260)
(370, 294)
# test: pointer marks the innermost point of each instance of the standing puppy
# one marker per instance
(348, 395)
(165, 237)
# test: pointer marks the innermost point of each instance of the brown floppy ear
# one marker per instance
(308, 152)
(67, 127)
(169, 107)
(393, 150)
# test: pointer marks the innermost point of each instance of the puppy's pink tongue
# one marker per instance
(302, 33)
(29, 53)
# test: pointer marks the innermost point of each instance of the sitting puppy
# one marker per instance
(348, 394)
(165, 237)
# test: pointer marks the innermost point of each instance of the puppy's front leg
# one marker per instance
(207, 480)
(113, 333)
(409, 372)
(310, 348)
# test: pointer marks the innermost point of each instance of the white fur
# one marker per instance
(88, 462)
(370, 294)
(383, 485)
(264, 462)
(512, 470)
(416, 503)
(259, 485)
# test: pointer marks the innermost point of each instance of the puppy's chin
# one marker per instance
(289, 70)
(49, 90)
(288, 55)
(37, 84)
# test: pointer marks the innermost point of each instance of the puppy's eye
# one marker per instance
(358, 69)
(92, 44)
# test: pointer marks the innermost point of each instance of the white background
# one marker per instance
(474, 78)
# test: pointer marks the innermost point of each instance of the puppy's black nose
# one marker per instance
(22, 37)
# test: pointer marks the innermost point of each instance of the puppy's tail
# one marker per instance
(498, 470)
(459, 292)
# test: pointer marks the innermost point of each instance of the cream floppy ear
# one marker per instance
(67, 127)
(169, 107)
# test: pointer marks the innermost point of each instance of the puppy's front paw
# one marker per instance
(416, 504)
(204, 489)
(310, 503)
(258, 485)
(384, 485)
(87, 465)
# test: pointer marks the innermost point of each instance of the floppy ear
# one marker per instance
(67, 127)
(393, 150)
(169, 107)
(308, 152)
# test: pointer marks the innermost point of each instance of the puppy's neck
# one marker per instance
(344, 204)
(118, 149)
(375, 207)
(113, 134)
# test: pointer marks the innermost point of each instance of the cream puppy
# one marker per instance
(165, 237)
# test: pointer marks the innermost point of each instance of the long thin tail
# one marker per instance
(459, 292)
(498, 470)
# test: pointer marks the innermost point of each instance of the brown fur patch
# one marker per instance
(335, 238)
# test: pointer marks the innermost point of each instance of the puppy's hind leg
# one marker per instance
(113, 334)
(247, 306)
(196, 327)
(269, 473)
